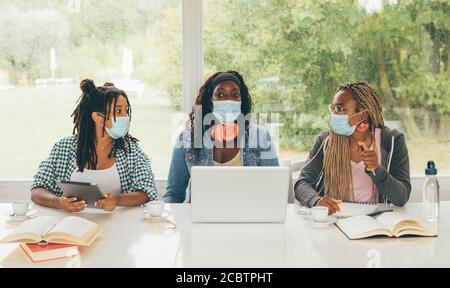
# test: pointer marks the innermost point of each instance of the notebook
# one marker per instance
(350, 209)
(390, 224)
(48, 252)
(70, 230)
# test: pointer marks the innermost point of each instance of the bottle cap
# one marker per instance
(431, 168)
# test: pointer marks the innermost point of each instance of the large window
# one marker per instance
(294, 54)
(46, 49)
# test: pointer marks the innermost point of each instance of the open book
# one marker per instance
(389, 224)
(70, 230)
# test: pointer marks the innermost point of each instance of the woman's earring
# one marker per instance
(362, 127)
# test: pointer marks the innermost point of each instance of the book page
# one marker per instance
(403, 224)
(74, 226)
(361, 227)
(33, 227)
(391, 219)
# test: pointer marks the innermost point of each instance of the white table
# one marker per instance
(126, 240)
(129, 242)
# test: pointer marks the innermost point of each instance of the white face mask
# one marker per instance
(120, 127)
(339, 124)
(227, 111)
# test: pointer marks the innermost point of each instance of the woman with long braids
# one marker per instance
(359, 159)
(101, 151)
(219, 133)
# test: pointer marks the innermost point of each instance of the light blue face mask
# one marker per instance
(120, 127)
(339, 124)
(226, 111)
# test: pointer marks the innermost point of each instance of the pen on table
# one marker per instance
(376, 213)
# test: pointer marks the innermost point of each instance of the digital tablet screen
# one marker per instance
(88, 192)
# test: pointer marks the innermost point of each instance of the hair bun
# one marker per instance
(87, 86)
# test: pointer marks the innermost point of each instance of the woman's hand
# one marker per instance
(332, 204)
(109, 203)
(369, 157)
(71, 204)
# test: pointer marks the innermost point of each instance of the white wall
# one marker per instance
(11, 190)
(417, 183)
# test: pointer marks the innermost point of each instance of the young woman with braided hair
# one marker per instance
(358, 159)
(100, 151)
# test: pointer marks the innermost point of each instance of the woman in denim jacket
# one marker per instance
(219, 133)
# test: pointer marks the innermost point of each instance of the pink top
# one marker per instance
(363, 188)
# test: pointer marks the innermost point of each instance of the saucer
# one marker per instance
(320, 224)
(164, 215)
(30, 214)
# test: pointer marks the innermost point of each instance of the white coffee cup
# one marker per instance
(155, 208)
(21, 207)
(318, 213)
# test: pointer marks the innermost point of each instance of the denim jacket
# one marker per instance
(258, 150)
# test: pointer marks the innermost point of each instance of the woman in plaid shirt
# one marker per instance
(100, 151)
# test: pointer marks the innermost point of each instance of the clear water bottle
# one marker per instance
(431, 193)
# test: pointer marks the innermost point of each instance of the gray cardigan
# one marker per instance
(391, 177)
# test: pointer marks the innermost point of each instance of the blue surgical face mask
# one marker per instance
(339, 124)
(120, 127)
(226, 111)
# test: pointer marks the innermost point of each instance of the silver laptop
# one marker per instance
(239, 194)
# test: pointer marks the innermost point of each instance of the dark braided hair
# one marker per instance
(204, 99)
(96, 99)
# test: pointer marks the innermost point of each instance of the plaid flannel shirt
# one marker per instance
(134, 169)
